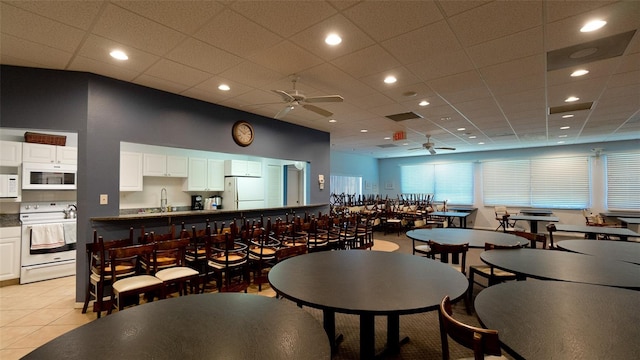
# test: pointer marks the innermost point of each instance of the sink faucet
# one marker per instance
(163, 200)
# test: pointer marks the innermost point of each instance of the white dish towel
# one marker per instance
(47, 236)
(69, 233)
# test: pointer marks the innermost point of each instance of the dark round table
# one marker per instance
(557, 320)
(565, 266)
(475, 238)
(206, 326)
(611, 249)
(367, 283)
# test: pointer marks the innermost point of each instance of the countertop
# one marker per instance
(193, 213)
(9, 220)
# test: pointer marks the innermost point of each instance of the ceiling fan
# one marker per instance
(430, 146)
(295, 98)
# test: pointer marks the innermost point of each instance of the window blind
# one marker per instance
(346, 184)
(452, 182)
(506, 183)
(417, 179)
(623, 181)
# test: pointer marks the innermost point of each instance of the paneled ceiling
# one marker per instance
(490, 70)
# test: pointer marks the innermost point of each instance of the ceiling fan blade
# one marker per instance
(285, 96)
(283, 112)
(431, 150)
(446, 148)
(419, 148)
(318, 110)
(325, 98)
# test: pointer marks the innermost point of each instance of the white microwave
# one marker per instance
(8, 186)
(42, 176)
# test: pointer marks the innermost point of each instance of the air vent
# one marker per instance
(404, 116)
(386, 146)
(571, 107)
(600, 49)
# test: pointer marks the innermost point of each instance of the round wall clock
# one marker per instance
(242, 133)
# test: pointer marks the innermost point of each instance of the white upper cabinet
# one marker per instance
(130, 171)
(242, 168)
(10, 153)
(42, 153)
(205, 175)
(165, 165)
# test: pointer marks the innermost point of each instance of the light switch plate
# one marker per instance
(104, 199)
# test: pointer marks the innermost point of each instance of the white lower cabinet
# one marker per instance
(9, 253)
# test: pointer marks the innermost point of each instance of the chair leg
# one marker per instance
(86, 299)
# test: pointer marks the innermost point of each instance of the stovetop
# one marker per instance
(45, 212)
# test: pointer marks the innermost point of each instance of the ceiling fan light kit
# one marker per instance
(429, 146)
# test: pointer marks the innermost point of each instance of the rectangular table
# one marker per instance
(461, 208)
(592, 231)
(531, 211)
(462, 216)
(631, 223)
(533, 220)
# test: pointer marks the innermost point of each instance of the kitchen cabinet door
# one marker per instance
(10, 253)
(215, 175)
(197, 179)
(52, 154)
(254, 168)
(242, 168)
(10, 153)
(177, 166)
(131, 178)
(66, 155)
(164, 165)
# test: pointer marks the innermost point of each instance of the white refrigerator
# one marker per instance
(243, 193)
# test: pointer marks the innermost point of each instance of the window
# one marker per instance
(452, 182)
(623, 181)
(349, 185)
(560, 183)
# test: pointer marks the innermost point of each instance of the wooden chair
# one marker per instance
(177, 274)
(481, 341)
(502, 215)
(493, 275)
(100, 272)
(140, 282)
(262, 254)
(533, 238)
(285, 253)
(226, 259)
(443, 251)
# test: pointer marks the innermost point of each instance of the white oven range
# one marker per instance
(48, 248)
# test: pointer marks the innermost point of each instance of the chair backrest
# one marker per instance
(290, 251)
(134, 254)
(481, 341)
(444, 250)
(533, 238)
(176, 248)
(501, 211)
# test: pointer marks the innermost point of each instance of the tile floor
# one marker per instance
(33, 314)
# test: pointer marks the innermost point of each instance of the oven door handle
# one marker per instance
(40, 266)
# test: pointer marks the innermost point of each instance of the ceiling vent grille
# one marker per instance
(605, 48)
(569, 108)
(404, 116)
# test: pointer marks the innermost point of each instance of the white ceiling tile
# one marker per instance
(223, 33)
(184, 16)
(136, 31)
(286, 58)
(312, 39)
(80, 14)
(160, 84)
(203, 56)
(252, 74)
(411, 47)
(519, 45)
(495, 20)
(177, 73)
(283, 17)
(385, 19)
(371, 60)
(81, 63)
(38, 29)
(438, 66)
(27, 53)
(98, 48)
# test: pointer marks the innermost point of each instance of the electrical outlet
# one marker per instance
(104, 199)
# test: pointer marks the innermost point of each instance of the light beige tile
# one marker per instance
(75, 317)
(41, 317)
(14, 354)
(41, 336)
(11, 334)
(9, 316)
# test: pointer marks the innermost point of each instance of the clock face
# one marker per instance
(242, 133)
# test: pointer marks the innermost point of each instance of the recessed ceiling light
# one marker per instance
(333, 39)
(405, 144)
(364, 130)
(423, 103)
(224, 87)
(390, 79)
(567, 116)
(472, 137)
(560, 142)
(565, 127)
(332, 120)
(563, 136)
(481, 143)
(445, 118)
(387, 137)
(580, 72)
(119, 54)
(593, 25)
(571, 99)
(462, 129)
